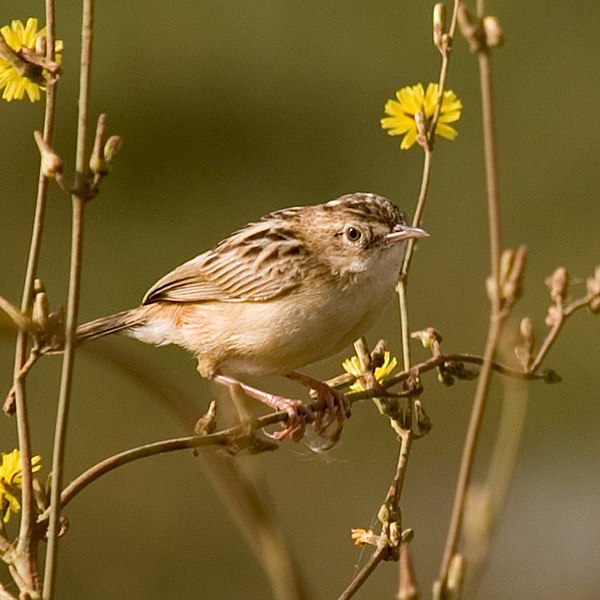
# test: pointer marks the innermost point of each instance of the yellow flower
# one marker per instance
(11, 482)
(12, 78)
(352, 367)
(402, 113)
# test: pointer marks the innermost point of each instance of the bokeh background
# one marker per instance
(230, 109)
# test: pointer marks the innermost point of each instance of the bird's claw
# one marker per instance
(335, 409)
(295, 425)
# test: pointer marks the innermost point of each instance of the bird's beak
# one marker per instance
(404, 232)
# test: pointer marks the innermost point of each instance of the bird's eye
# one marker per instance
(353, 234)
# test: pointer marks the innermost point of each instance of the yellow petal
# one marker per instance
(409, 139)
(446, 131)
(12, 39)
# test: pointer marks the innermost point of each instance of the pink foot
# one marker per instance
(298, 414)
(334, 410)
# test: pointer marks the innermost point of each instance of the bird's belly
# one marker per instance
(284, 334)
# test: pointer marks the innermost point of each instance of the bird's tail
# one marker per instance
(111, 324)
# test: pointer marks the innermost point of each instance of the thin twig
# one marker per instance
(221, 438)
(26, 546)
(486, 501)
(384, 542)
(366, 571)
(78, 201)
(403, 281)
(468, 456)
(555, 330)
(497, 319)
(436, 361)
(425, 179)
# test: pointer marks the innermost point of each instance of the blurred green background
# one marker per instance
(230, 109)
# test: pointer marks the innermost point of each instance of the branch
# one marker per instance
(556, 329)
(387, 544)
(497, 317)
(78, 201)
(26, 552)
(237, 437)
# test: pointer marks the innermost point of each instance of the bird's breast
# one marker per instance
(291, 331)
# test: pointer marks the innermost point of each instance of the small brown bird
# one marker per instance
(285, 291)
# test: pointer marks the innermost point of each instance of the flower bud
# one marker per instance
(554, 315)
(98, 164)
(384, 514)
(526, 328)
(422, 421)
(40, 305)
(558, 284)
(51, 162)
(524, 350)
(470, 28)
(40, 45)
(439, 25)
(515, 276)
(456, 575)
(593, 290)
(407, 535)
(494, 36)
(444, 377)
(112, 148)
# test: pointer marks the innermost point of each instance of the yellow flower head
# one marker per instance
(352, 367)
(12, 79)
(11, 482)
(412, 100)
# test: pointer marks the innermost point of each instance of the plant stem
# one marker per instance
(403, 281)
(407, 435)
(470, 447)
(497, 318)
(488, 504)
(491, 175)
(78, 201)
(27, 561)
(392, 499)
(425, 179)
(366, 571)
(554, 331)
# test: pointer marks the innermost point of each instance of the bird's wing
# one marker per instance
(257, 263)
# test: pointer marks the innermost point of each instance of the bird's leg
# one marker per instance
(336, 407)
(297, 412)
